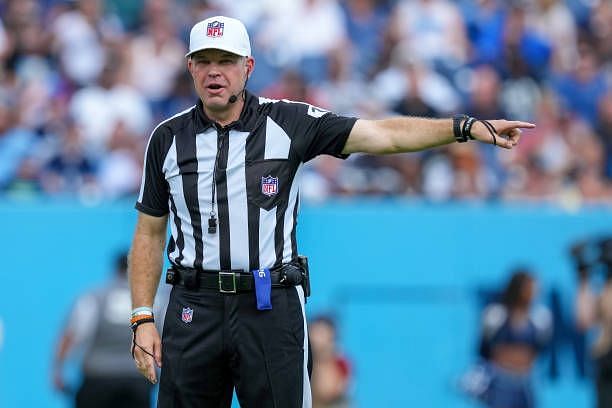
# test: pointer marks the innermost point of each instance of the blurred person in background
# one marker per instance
(83, 31)
(100, 106)
(594, 309)
(432, 31)
(331, 370)
(70, 169)
(553, 22)
(366, 24)
(16, 143)
(603, 130)
(119, 171)
(514, 332)
(288, 37)
(581, 89)
(96, 332)
(154, 56)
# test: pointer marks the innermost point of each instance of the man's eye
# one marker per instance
(226, 61)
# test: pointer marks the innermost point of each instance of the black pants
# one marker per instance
(604, 380)
(229, 343)
(114, 392)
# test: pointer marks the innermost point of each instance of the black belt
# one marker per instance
(227, 281)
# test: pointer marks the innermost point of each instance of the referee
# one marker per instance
(225, 175)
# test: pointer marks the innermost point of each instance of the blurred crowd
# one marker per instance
(83, 83)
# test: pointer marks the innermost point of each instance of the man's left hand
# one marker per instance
(502, 133)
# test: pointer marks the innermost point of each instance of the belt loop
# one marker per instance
(191, 279)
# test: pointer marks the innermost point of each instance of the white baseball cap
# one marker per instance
(222, 33)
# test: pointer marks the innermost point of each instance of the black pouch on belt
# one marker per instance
(303, 261)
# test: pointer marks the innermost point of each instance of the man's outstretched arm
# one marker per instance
(409, 134)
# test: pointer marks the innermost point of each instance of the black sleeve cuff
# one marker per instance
(343, 140)
(150, 211)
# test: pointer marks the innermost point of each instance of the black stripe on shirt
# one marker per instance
(255, 150)
(180, 239)
(225, 260)
(188, 166)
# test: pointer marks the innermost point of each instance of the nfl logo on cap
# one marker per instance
(221, 33)
(187, 315)
(269, 185)
(214, 29)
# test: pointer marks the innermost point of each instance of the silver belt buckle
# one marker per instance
(226, 278)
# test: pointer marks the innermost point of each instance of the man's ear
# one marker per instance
(189, 64)
(250, 65)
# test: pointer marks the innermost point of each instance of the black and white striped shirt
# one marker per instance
(258, 160)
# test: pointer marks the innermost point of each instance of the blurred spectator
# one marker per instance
(408, 80)
(594, 310)
(523, 40)
(16, 142)
(331, 371)
(98, 108)
(302, 33)
(485, 21)
(582, 88)
(600, 28)
(366, 23)
(71, 169)
(156, 56)
(342, 92)
(514, 332)
(604, 131)
(432, 31)
(97, 328)
(81, 33)
(119, 173)
(552, 21)
(291, 85)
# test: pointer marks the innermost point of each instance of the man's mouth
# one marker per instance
(215, 89)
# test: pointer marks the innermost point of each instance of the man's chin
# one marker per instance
(216, 104)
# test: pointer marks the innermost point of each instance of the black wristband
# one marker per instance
(137, 323)
(466, 130)
(457, 131)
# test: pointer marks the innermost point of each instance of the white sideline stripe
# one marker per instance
(306, 391)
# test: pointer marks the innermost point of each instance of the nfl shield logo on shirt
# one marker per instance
(187, 315)
(269, 185)
(214, 29)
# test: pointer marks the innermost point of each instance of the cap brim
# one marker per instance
(227, 49)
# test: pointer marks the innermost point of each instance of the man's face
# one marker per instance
(217, 75)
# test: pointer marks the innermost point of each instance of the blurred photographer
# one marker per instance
(595, 310)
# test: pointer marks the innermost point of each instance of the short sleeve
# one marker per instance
(493, 318)
(317, 131)
(154, 191)
(83, 318)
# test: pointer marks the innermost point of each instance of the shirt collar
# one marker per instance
(245, 122)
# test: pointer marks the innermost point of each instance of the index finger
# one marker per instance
(522, 125)
(147, 367)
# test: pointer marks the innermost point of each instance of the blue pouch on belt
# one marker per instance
(263, 288)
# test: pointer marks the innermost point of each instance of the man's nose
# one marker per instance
(214, 70)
